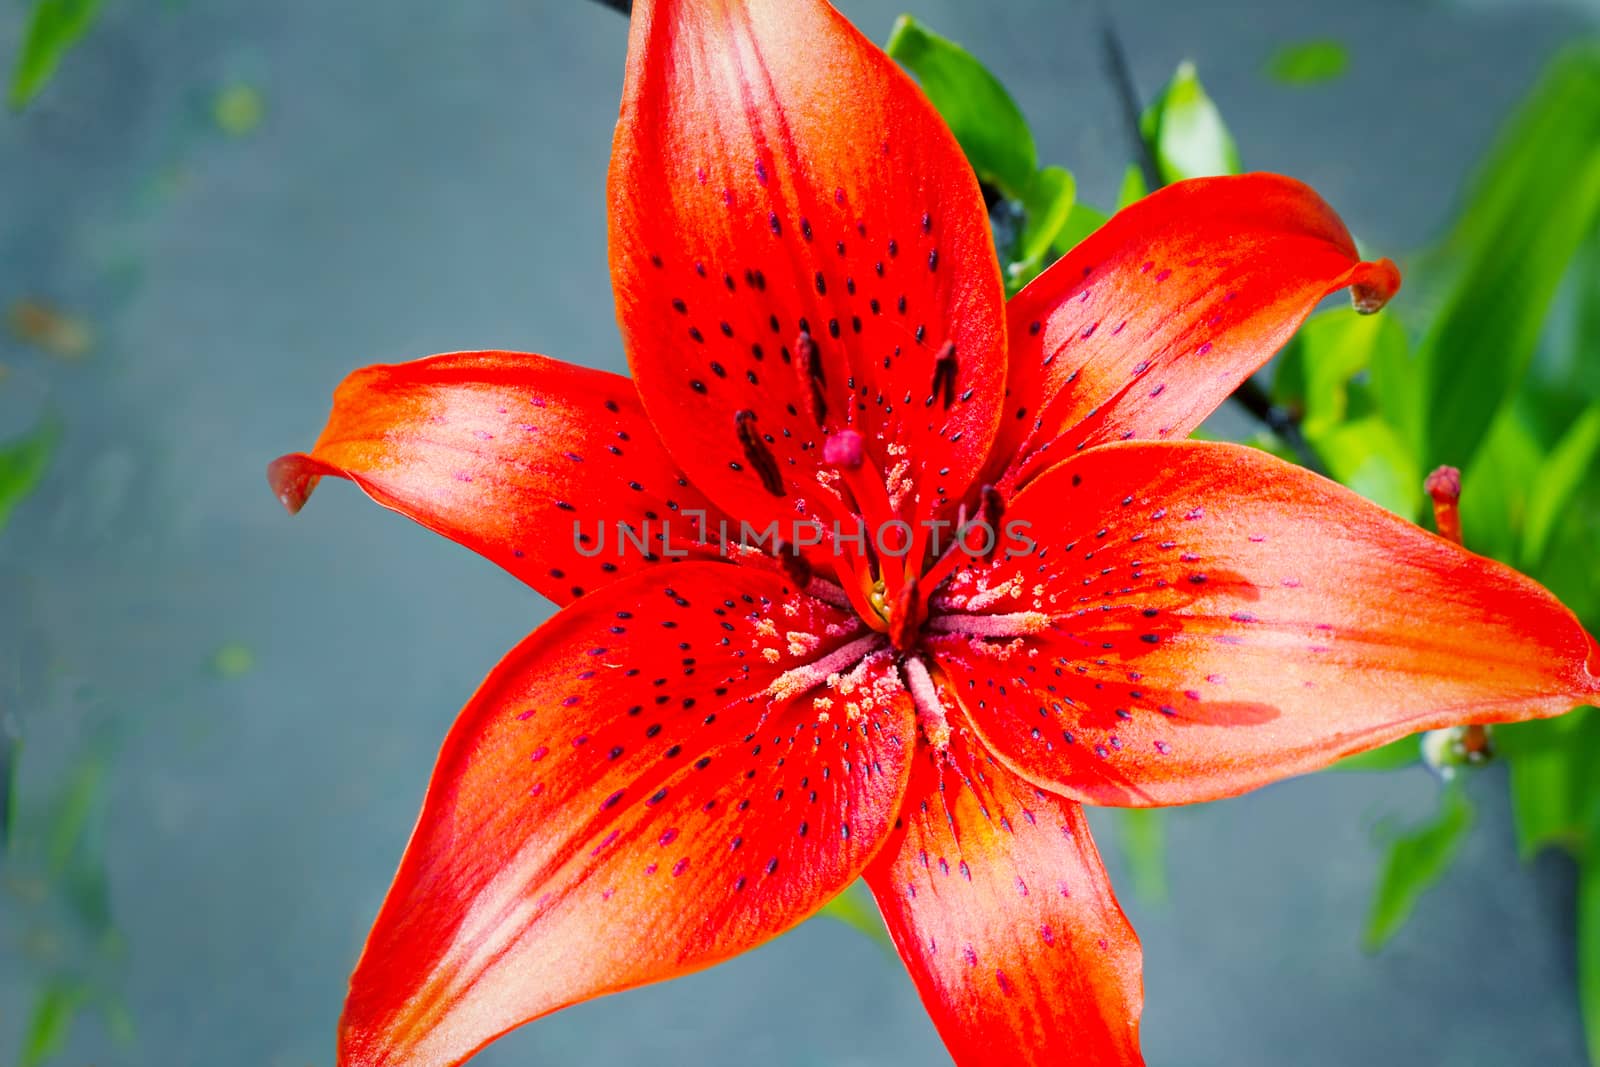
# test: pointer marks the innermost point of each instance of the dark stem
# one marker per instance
(1249, 395)
(1116, 61)
(1254, 399)
(624, 6)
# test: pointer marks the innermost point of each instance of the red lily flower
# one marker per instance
(711, 740)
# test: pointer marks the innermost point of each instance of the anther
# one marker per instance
(944, 375)
(1443, 486)
(757, 452)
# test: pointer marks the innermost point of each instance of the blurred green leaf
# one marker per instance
(1589, 945)
(1534, 204)
(1309, 62)
(1554, 784)
(233, 660)
(10, 782)
(1144, 846)
(50, 1023)
(1048, 204)
(238, 109)
(977, 108)
(1185, 131)
(55, 27)
(1496, 487)
(1082, 220)
(1133, 187)
(1318, 377)
(1406, 752)
(855, 908)
(1315, 370)
(1558, 481)
(1272, 444)
(78, 806)
(119, 1023)
(1368, 456)
(23, 463)
(1415, 862)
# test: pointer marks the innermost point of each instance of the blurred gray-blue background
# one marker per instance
(266, 695)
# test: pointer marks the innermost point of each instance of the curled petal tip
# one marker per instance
(292, 478)
(1372, 285)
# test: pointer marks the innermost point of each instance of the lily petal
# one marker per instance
(1151, 321)
(532, 463)
(758, 194)
(593, 826)
(1202, 619)
(997, 900)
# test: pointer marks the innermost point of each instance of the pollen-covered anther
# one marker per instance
(1011, 624)
(844, 450)
(943, 387)
(757, 453)
(797, 680)
(930, 708)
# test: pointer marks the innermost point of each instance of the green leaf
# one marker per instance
(1406, 752)
(1049, 202)
(1133, 187)
(1185, 131)
(1589, 945)
(1144, 847)
(23, 463)
(1328, 352)
(977, 108)
(1046, 209)
(1416, 861)
(119, 1023)
(1082, 220)
(854, 908)
(1558, 481)
(233, 660)
(55, 27)
(1309, 62)
(10, 783)
(238, 109)
(1554, 787)
(1535, 203)
(1496, 487)
(50, 1023)
(1368, 455)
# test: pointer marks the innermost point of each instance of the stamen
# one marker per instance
(757, 452)
(1013, 624)
(828, 592)
(1444, 487)
(944, 375)
(930, 709)
(797, 680)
